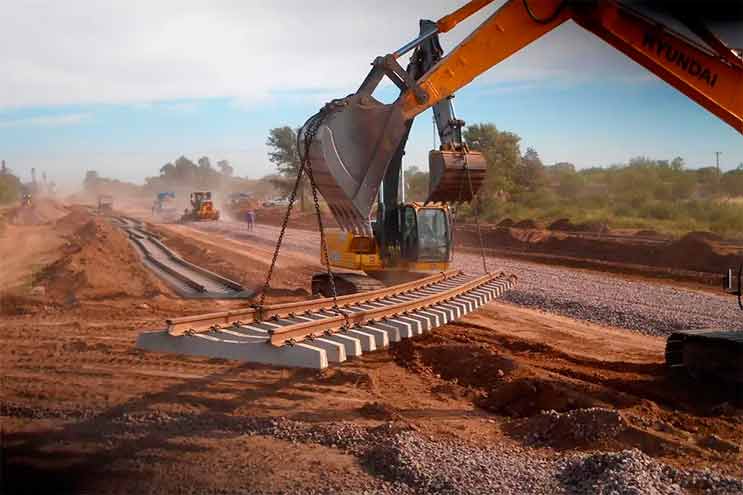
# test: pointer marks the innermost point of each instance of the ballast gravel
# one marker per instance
(406, 461)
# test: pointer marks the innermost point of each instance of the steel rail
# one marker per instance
(179, 271)
(210, 321)
(167, 269)
(311, 329)
(208, 273)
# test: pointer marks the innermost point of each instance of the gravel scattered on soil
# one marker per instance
(406, 461)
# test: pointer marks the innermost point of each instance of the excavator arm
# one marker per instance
(353, 140)
(712, 75)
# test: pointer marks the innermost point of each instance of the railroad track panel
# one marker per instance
(187, 279)
(312, 334)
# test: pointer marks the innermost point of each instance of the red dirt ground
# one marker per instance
(83, 410)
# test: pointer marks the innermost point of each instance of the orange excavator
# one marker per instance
(351, 143)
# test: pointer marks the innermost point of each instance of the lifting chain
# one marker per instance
(477, 216)
(308, 131)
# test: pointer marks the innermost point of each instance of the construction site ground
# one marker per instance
(560, 388)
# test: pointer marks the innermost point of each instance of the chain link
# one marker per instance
(284, 224)
(476, 200)
(309, 131)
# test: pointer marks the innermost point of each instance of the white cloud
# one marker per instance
(47, 120)
(85, 51)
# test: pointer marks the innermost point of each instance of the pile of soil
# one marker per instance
(565, 225)
(506, 223)
(648, 233)
(40, 213)
(468, 365)
(701, 235)
(526, 224)
(579, 427)
(694, 252)
(97, 263)
(562, 224)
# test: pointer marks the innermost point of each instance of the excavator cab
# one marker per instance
(414, 234)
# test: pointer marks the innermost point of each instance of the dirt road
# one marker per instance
(459, 411)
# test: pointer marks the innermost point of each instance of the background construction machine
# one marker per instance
(202, 208)
(239, 203)
(164, 208)
(354, 145)
(105, 204)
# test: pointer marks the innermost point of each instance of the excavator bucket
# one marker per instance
(455, 176)
(355, 139)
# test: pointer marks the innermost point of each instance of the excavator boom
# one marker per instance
(353, 139)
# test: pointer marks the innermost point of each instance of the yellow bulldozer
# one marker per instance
(202, 208)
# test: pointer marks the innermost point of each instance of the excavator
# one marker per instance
(354, 145)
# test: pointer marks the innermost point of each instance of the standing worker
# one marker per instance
(250, 218)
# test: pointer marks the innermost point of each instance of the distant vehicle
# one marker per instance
(240, 203)
(163, 207)
(202, 208)
(105, 203)
(26, 201)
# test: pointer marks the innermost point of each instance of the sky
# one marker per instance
(124, 87)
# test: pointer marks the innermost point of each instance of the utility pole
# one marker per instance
(717, 158)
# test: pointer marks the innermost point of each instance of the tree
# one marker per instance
(502, 155)
(10, 186)
(732, 182)
(416, 184)
(570, 184)
(167, 170)
(225, 168)
(282, 143)
(530, 175)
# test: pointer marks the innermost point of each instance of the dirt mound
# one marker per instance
(576, 428)
(97, 262)
(39, 213)
(695, 252)
(565, 225)
(527, 396)
(701, 235)
(648, 233)
(469, 365)
(593, 227)
(562, 224)
(526, 224)
(506, 223)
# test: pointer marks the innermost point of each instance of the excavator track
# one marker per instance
(716, 354)
(345, 283)
(312, 334)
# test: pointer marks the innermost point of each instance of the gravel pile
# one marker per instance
(631, 472)
(408, 462)
(576, 427)
(404, 461)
